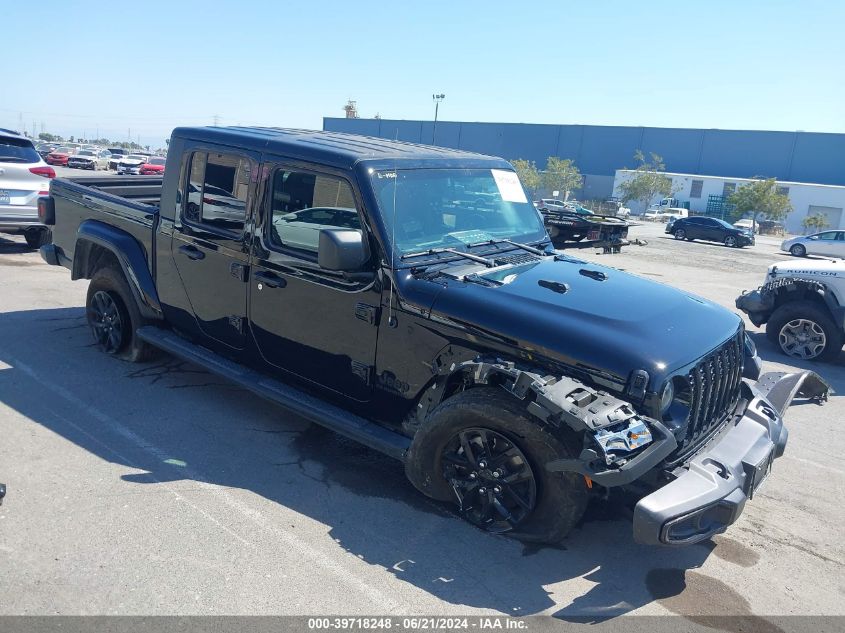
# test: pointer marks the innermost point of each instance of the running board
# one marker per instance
(303, 404)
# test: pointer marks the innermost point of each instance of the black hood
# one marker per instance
(589, 315)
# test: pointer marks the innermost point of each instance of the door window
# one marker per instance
(303, 203)
(828, 236)
(217, 192)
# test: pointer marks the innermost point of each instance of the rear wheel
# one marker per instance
(114, 317)
(36, 238)
(798, 250)
(805, 331)
(482, 450)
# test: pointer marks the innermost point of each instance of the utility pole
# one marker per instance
(216, 119)
(437, 99)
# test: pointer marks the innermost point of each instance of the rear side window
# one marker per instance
(218, 185)
(15, 150)
(303, 203)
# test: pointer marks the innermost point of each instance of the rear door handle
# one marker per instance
(191, 252)
(270, 279)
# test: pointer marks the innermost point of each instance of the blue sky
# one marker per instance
(151, 65)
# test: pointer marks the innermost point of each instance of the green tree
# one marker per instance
(561, 175)
(814, 223)
(529, 176)
(760, 198)
(649, 180)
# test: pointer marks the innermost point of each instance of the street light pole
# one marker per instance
(437, 99)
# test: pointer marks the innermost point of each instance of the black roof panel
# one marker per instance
(336, 148)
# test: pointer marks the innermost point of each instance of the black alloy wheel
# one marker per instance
(492, 479)
(106, 322)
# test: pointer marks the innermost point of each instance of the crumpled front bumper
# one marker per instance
(709, 493)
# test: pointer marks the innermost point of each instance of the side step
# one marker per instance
(301, 403)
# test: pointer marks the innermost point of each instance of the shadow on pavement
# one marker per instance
(177, 422)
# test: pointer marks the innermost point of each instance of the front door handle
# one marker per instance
(271, 280)
(191, 252)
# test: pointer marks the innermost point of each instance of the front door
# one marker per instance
(312, 323)
(209, 242)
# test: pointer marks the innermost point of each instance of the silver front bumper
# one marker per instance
(709, 493)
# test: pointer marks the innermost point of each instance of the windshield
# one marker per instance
(156, 161)
(86, 152)
(724, 224)
(437, 208)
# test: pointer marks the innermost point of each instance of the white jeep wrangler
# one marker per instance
(802, 304)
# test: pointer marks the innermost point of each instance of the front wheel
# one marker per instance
(481, 450)
(805, 331)
(731, 241)
(798, 250)
(680, 234)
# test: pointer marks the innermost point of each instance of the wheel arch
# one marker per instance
(99, 245)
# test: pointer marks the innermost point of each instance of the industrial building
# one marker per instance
(706, 194)
(600, 151)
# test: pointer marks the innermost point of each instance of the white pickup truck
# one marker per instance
(802, 304)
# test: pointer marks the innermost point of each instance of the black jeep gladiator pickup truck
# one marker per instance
(409, 297)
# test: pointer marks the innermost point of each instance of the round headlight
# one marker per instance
(666, 397)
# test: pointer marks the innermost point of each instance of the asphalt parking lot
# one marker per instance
(161, 489)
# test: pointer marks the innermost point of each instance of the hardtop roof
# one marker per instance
(335, 148)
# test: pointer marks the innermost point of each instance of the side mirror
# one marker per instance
(343, 250)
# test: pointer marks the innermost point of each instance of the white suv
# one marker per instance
(23, 177)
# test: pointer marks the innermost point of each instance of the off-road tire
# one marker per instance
(805, 310)
(36, 238)
(561, 498)
(111, 281)
(798, 250)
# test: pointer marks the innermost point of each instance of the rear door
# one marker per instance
(209, 245)
(315, 324)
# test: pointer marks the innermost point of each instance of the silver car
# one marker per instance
(131, 164)
(826, 244)
(23, 177)
(89, 158)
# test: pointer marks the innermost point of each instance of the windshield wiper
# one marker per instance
(436, 251)
(525, 247)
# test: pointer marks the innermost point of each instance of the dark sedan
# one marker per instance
(711, 230)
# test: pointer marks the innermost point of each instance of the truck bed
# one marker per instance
(141, 189)
(126, 204)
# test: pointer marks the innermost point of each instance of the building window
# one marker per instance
(695, 188)
(784, 191)
(728, 189)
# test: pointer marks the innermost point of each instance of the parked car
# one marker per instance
(116, 154)
(90, 159)
(710, 230)
(553, 204)
(60, 155)
(508, 379)
(745, 223)
(45, 148)
(826, 244)
(153, 166)
(801, 305)
(131, 164)
(24, 176)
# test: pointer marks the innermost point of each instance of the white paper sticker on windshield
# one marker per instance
(509, 186)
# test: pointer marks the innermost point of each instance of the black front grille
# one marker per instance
(714, 385)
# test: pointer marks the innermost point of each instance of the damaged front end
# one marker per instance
(714, 463)
(709, 492)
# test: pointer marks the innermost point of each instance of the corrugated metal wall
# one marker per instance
(600, 150)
